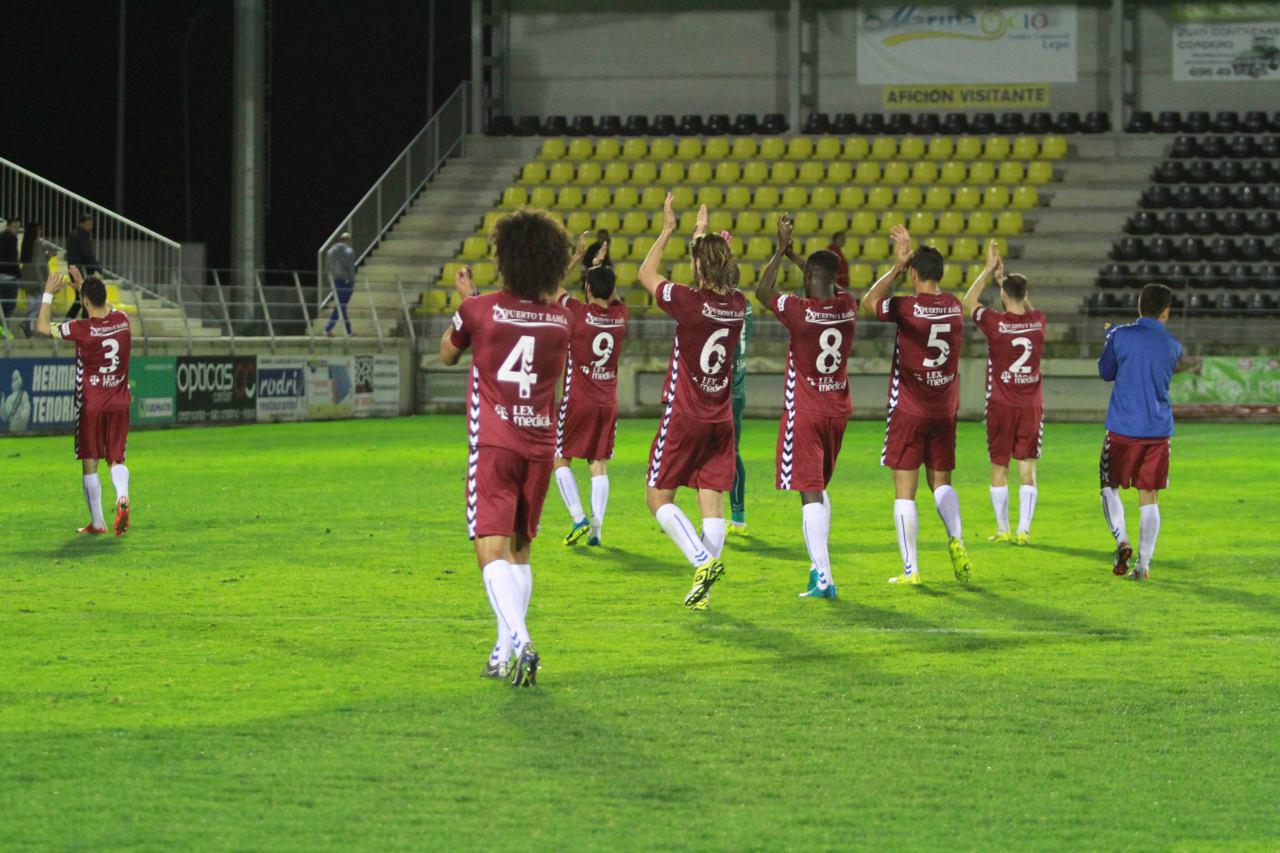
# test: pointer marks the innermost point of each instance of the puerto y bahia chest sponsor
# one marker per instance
(217, 389)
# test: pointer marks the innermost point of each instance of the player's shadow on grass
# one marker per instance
(1223, 595)
(78, 547)
(1096, 555)
(1038, 616)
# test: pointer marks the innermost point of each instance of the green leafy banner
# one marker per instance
(1232, 381)
(1210, 12)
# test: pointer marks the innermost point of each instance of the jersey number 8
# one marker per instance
(829, 351)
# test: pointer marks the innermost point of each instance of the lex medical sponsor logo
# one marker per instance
(936, 378)
(524, 317)
(827, 318)
(826, 385)
(108, 381)
(712, 385)
(1015, 328)
(599, 374)
(1010, 378)
(722, 315)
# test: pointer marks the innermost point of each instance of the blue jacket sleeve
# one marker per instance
(1107, 361)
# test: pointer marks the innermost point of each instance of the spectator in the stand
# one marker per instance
(842, 267)
(8, 271)
(81, 254)
(37, 254)
(340, 263)
(588, 260)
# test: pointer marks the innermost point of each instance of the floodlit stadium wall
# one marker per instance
(568, 57)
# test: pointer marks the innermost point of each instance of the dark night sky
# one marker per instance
(347, 91)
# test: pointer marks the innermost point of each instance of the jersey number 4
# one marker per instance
(518, 367)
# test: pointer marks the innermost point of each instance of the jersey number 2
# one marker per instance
(518, 367)
(1020, 366)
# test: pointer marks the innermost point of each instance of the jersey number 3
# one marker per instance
(518, 367)
(111, 348)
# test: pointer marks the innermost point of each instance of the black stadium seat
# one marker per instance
(1271, 198)
(1168, 121)
(1096, 122)
(609, 126)
(1233, 223)
(1241, 147)
(582, 126)
(1187, 197)
(528, 126)
(690, 125)
(717, 124)
(1068, 122)
(1227, 172)
(1140, 122)
(1212, 147)
(1173, 222)
(1263, 224)
(1203, 223)
(845, 124)
(1242, 276)
(1115, 277)
(1040, 123)
(555, 126)
(1010, 123)
(871, 124)
(1220, 250)
(817, 123)
(745, 125)
(501, 126)
(1251, 250)
(1157, 197)
(1216, 197)
(1260, 172)
(899, 124)
(774, 124)
(928, 124)
(1198, 172)
(982, 124)
(1246, 197)
(1189, 250)
(1197, 121)
(1184, 148)
(1168, 172)
(663, 125)
(1159, 249)
(1226, 121)
(1147, 273)
(636, 125)
(1268, 148)
(1141, 223)
(955, 124)
(1255, 121)
(1273, 249)
(1127, 249)
(1178, 276)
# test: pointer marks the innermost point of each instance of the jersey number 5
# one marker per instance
(518, 367)
(936, 342)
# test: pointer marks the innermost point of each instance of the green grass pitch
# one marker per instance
(285, 653)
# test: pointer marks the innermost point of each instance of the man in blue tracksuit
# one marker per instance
(1140, 358)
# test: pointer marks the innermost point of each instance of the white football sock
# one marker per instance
(1000, 503)
(599, 499)
(120, 479)
(826, 503)
(906, 524)
(1148, 531)
(713, 530)
(949, 511)
(815, 522)
(1026, 507)
(523, 573)
(677, 525)
(508, 600)
(93, 497)
(501, 648)
(1113, 511)
(569, 494)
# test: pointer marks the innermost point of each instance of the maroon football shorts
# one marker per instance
(1013, 432)
(911, 441)
(808, 445)
(505, 492)
(1141, 463)
(693, 453)
(102, 435)
(586, 432)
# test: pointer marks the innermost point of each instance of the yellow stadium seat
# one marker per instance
(1011, 172)
(951, 279)
(689, 148)
(766, 198)
(435, 300)
(950, 222)
(449, 271)
(968, 148)
(1003, 245)
(839, 172)
(616, 172)
(1025, 198)
(737, 196)
(558, 217)
(533, 173)
(688, 219)
(1053, 147)
(890, 219)
(671, 173)
(699, 173)
(674, 251)
(910, 148)
(862, 222)
(995, 198)
(608, 220)
(822, 197)
(896, 172)
(981, 172)
(484, 273)
(851, 198)
(1040, 172)
(640, 247)
(561, 173)
(924, 172)
(771, 223)
(759, 248)
(653, 197)
(875, 249)
(746, 275)
(637, 297)
(811, 173)
(996, 148)
(799, 148)
(855, 148)
(578, 221)
(827, 148)
(1009, 222)
(1025, 148)
(940, 148)
(579, 149)
(553, 149)
(474, 248)
(607, 149)
(626, 273)
(966, 198)
(980, 223)
(867, 172)
(490, 219)
(717, 148)
(964, 249)
(772, 148)
(634, 222)
(937, 198)
(783, 173)
(880, 198)
(727, 172)
(818, 242)
(859, 274)
(736, 246)
(719, 220)
(884, 148)
(543, 197)
(710, 196)
(748, 223)
(744, 148)
(922, 222)
(939, 243)
(953, 172)
(514, 197)
(794, 198)
(792, 275)
(644, 172)
(634, 149)
(661, 148)
(625, 198)
(569, 198)
(834, 221)
(755, 172)
(909, 198)
(597, 197)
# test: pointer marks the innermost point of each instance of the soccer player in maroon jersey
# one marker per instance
(924, 396)
(1015, 406)
(694, 444)
(103, 340)
(518, 338)
(816, 404)
(588, 417)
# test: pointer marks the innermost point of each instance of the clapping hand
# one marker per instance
(668, 215)
(463, 283)
(901, 245)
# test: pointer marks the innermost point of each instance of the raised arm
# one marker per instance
(648, 276)
(578, 252)
(973, 298)
(55, 282)
(765, 291)
(700, 226)
(466, 289)
(884, 285)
